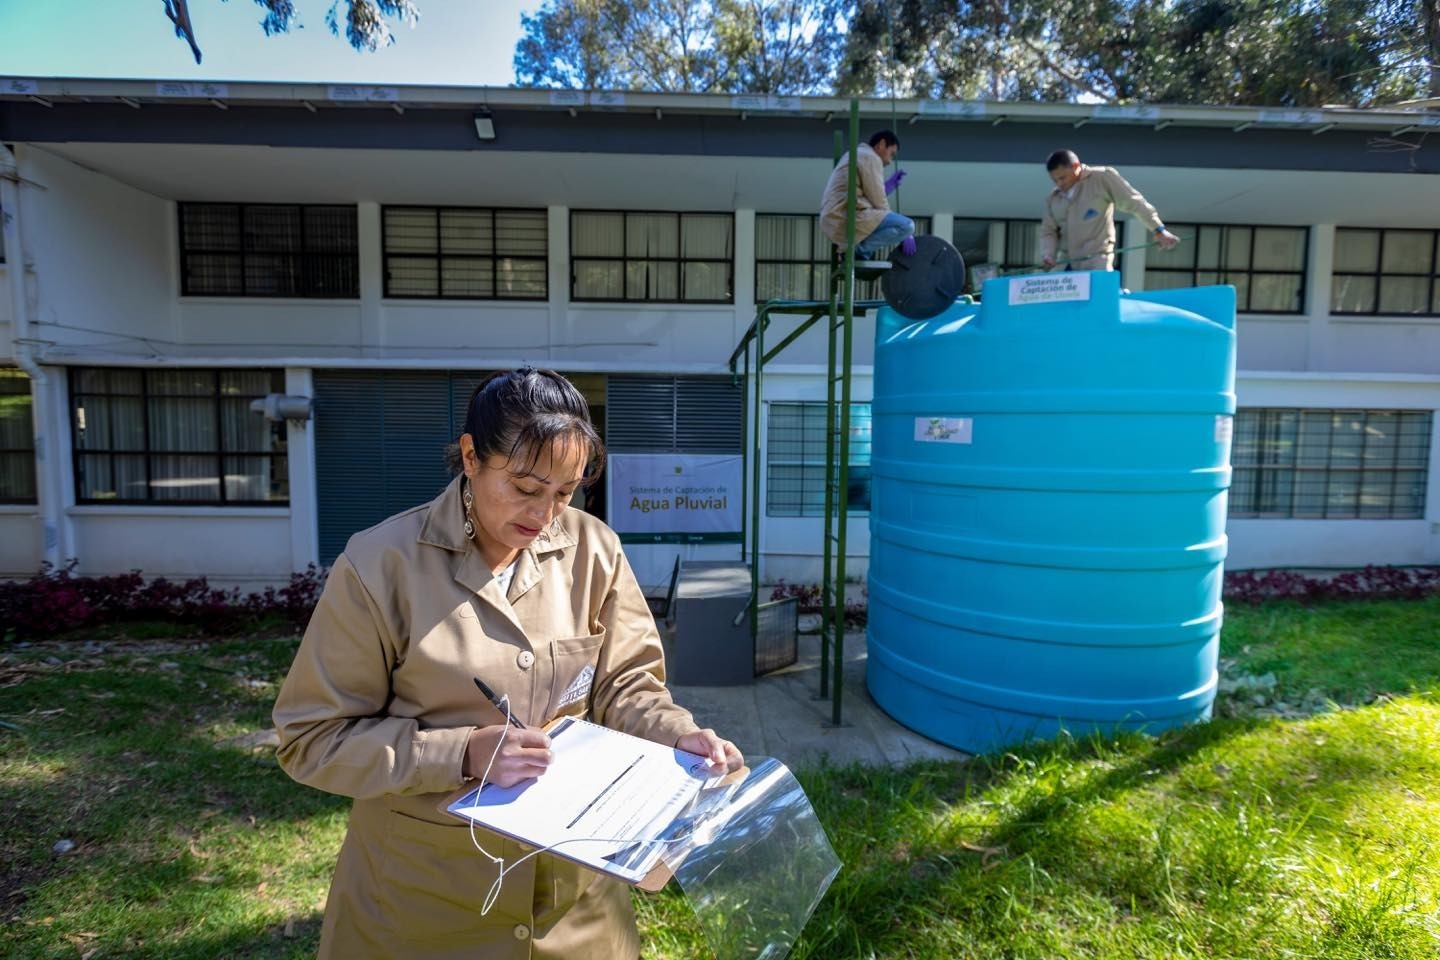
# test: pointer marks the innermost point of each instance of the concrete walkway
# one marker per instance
(780, 716)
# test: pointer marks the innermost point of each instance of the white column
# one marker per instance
(996, 238)
(372, 275)
(304, 496)
(54, 478)
(172, 253)
(1319, 266)
(744, 284)
(1132, 272)
(942, 225)
(558, 276)
(54, 485)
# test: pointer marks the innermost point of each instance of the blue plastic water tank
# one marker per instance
(1047, 521)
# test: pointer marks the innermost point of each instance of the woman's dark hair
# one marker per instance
(886, 137)
(519, 413)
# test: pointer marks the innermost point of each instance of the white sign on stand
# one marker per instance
(1050, 288)
(674, 493)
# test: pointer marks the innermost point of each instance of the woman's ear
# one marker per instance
(469, 459)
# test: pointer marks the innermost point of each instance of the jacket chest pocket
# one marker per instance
(574, 662)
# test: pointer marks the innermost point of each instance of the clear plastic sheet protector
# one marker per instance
(753, 861)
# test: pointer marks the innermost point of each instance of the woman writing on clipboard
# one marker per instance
(493, 579)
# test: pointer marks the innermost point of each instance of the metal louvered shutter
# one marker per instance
(640, 414)
(709, 416)
(380, 439)
(673, 415)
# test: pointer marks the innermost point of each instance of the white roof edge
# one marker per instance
(904, 111)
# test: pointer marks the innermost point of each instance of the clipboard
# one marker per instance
(533, 821)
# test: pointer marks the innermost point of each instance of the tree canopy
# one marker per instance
(1275, 52)
(1297, 53)
(365, 23)
(691, 46)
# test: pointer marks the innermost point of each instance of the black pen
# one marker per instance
(490, 695)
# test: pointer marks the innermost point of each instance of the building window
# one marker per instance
(465, 253)
(17, 438)
(1331, 464)
(795, 466)
(1266, 265)
(268, 250)
(792, 258)
(659, 257)
(176, 436)
(1386, 271)
(994, 247)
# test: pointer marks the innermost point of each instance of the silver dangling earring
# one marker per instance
(469, 502)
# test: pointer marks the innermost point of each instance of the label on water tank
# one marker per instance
(943, 429)
(1050, 288)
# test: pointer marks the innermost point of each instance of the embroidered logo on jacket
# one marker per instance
(1091, 214)
(579, 688)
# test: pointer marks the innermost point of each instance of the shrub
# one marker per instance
(1241, 586)
(1379, 583)
(56, 601)
(807, 595)
(808, 600)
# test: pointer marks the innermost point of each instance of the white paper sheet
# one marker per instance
(603, 792)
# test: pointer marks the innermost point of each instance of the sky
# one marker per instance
(454, 42)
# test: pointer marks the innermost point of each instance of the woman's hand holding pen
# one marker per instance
(522, 754)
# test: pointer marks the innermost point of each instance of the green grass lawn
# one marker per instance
(1254, 836)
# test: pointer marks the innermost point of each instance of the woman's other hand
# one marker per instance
(523, 754)
(721, 753)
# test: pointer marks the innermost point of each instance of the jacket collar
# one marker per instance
(1083, 175)
(444, 527)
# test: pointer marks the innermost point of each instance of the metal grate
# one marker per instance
(795, 459)
(1330, 464)
(777, 634)
(269, 250)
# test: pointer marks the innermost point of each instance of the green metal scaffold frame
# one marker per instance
(841, 309)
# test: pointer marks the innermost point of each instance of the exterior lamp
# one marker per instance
(484, 125)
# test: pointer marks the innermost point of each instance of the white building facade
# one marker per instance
(173, 252)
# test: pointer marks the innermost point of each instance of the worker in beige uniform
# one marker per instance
(876, 225)
(1079, 223)
(496, 579)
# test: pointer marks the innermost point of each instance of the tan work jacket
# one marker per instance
(870, 203)
(380, 703)
(1082, 227)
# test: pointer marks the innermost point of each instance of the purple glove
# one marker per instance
(907, 246)
(893, 181)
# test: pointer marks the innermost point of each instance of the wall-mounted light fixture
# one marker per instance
(280, 406)
(484, 125)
